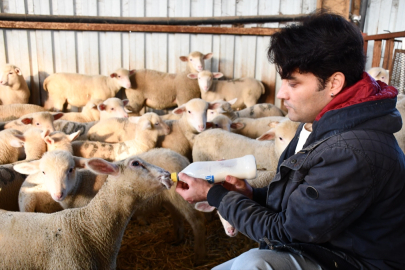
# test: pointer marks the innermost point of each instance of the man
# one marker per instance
(339, 202)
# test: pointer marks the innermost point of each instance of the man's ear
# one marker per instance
(338, 82)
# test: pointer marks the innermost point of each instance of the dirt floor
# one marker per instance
(149, 246)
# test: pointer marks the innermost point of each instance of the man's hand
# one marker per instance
(192, 189)
(239, 185)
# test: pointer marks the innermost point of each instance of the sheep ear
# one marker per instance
(204, 207)
(45, 133)
(183, 58)
(49, 140)
(126, 110)
(74, 136)
(217, 75)
(232, 101)
(113, 75)
(192, 76)
(132, 72)
(267, 136)
(237, 125)
(27, 167)
(80, 162)
(214, 105)
(101, 166)
(56, 116)
(102, 107)
(18, 71)
(208, 56)
(17, 141)
(179, 110)
(27, 121)
(134, 119)
(125, 102)
(147, 125)
(273, 124)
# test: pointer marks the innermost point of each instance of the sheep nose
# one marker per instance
(58, 196)
(201, 127)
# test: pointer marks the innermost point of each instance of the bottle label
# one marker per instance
(210, 179)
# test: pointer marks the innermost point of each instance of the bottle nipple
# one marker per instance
(174, 177)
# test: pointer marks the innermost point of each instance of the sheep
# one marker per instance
(247, 90)
(255, 127)
(77, 89)
(13, 87)
(69, 127)
(113, 130)
(183, 131)
(161, 90)
(89, 113)
(400, 135)
(148, 128)
(218, 144)
(58, 189)
(11, 142)
(113, 107)
(42, 120)
(10, 183)
(379, 73)
(256, 111)
(14, 111)
(82, 238)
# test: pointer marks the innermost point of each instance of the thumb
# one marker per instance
(185, 178)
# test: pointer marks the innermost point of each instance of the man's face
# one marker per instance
(303, 96)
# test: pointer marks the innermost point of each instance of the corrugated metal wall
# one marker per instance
(41, 52)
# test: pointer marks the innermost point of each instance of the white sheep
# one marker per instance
(161, 90)
(113, 107)
(183, 131)
(10, 183)
(256, 111)
(113, 130)
(42, 120)
(148, 128)
(14, 111)
(255, 127)
(87, 237)
(400, 135)
(69, 127)
(77, 89)
(13, 87)
(218, 144)
(11, 142)
(247, 90)
(379, 73)
(89, 113)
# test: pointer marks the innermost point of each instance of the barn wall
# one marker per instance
(42, 52)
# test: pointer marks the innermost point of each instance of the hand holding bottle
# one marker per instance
(192, 189)
(239, 185)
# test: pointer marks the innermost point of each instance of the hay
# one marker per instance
(152, 247)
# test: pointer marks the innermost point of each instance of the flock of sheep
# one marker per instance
(71, 181)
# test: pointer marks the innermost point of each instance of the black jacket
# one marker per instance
(340, 200)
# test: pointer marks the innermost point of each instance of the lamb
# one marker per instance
(42, 120)
(14, 111)
(89, 113)
(77, 89)
(379, 73)
(69, 127)
(161, 90)
(11, 142)
(148, 128)
(87, 237)
(247, 90)
(254, 128)
(113, 107)
(10, 183)
(400, 135)
(113, 130)
(218, 144)
(256, 111)
(183, 131)
(13, 87)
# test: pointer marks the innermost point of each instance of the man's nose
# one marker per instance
(282, 91)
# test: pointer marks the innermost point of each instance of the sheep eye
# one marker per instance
(136, 163)
(157, 123)
(43, 172)
(191, 59)
(119, 76)
(189, 111)
(11, 73)
(112, 109)
(37, 124)
(70, 170)
(216, 125)
(280, 138)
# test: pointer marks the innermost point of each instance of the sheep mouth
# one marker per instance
(166, 180)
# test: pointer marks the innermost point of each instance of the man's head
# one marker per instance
(323, 54)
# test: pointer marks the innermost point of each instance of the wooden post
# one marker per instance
(341, 7)
(388, 53)
(376, 53)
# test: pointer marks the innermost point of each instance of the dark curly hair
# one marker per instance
(324, 43)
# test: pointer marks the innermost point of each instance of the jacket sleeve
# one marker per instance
(336, 190)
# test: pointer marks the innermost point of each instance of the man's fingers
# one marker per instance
(185, 178)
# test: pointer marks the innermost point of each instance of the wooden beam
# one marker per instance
(388, 53)
(255, 31)
(341, 7)
(376, 53)
(385, 36)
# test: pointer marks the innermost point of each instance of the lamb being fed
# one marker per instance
(247, 90)
(13, 87)
(87, 237)
(77, 89)
(148, 128)
(161, 90)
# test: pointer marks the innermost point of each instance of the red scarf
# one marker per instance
(367, 89)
